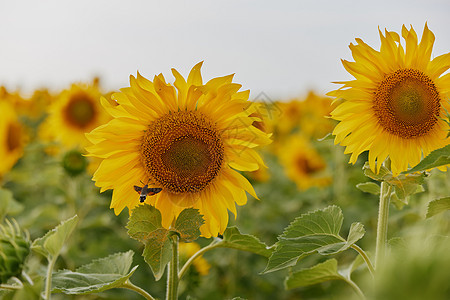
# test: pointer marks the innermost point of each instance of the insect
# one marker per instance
(146, 191)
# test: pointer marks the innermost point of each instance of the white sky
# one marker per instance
(282, 48)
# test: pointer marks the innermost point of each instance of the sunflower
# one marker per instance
(12, 138)
(188, 139)
(313, 122)
(75, 112)
(289, 118)
(394, 107)
(303, 164)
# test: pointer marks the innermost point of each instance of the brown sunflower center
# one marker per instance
(13, 136)
(182, 152)
(407, 103)
(80, 110)
(305, 166)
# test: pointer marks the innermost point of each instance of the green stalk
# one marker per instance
(355, 287)
(128, 285)
(172, 276)
(200, 252)
(48, 280)
(366, 259)
(382, 227)
(11, 287)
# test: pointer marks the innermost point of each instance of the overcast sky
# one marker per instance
(282, 48)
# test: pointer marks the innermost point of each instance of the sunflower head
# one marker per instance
(73, 113)
(303, 164)
(188, 139)
(394, 106)
(12, 137)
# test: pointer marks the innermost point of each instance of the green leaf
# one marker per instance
(322, 272)
(53, 241)
(356, 233)
(232, 238)
(317, 231)
(188, 224)
(145, 226)
(8, 205)
(158, 252)
(437, 206)
(436, 158)
(369, 187)
(100, 275)
(143, 220)
(399, 203)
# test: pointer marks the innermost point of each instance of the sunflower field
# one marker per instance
(185, 187)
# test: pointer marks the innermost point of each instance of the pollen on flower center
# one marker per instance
(407, 103)
(80, 111)
(182, 152)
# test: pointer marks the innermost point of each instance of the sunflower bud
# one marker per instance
(14, 248)
(74, 163)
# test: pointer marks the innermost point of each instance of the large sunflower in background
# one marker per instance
(74, 113)
(12, 138)
(394, 106)
(188, 139)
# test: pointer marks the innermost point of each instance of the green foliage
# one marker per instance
(188, 225)
(369, 187)
(232, 238)
(8, 205)
(436, 158)
(14, 248)
(145, 226)
(322, 272)
(437, 206)
(100, 275)
(316, 232)
(418, 269)
(403, 185)
(52, 242)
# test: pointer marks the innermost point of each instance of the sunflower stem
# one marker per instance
(48, 280)
(382, 227)
(366, 259)
(199, 253)
(356, 288)
(172, 276)
(128, 285)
